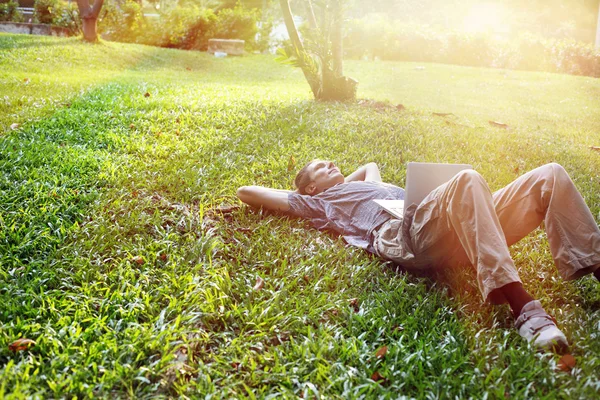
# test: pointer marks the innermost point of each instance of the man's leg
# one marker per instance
(548, 194)
(461, 215)
(457, 223)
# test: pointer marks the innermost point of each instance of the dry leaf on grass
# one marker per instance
(227, 209)
(147, 94)
(260, 283)
(567, 363)
(291, 163)
(400, 107)
(139, 260)
(21, 344)
(381, 352)
(439, 114)
(597, 148)
(354, 304)
(15, 126)
(377, 377)
(498, 124)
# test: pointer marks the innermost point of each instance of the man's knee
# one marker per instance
(554, 172)
(470, 176)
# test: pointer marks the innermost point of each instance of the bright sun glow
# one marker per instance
(487, 17)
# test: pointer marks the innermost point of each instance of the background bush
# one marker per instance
(57, 13)
(188, 27)
(380, 38)
(10, 12)
(45, 11)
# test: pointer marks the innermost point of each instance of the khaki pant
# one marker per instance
(463, 222)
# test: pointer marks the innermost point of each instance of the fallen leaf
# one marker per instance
(259, 284)
(291, 163)
(381, 352)
(354, 304)
(26, 80)
(227, 209)
(139, 260)
(15, 126)
(498, 124)
(442, 114)
(163, 257)
(597, 148)
(132, 126)
(235, 365)
(567, 363)
(377, 377)
(21, 344)
(147, 94)
(188, 68)
(400, 107)
(306, 278)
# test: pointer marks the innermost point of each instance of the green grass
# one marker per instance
(117, 259)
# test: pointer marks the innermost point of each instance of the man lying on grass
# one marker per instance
(458, 223)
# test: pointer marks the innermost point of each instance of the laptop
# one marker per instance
(421, 179)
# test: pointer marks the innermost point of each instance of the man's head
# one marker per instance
(317, 176)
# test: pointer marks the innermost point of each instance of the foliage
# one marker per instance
(237, 22)
(187, 27)
(44, 11)
(10, 12)
(121, 21)
(67, 16)
(380, 38)
(118, 260)
(57, 13)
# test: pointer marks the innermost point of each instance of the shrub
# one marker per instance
(44, 11)
(122, 22)
(66, 15)
(237, 23)
(378, 37)
(9, 12)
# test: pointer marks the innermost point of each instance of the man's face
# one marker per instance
(323, 174)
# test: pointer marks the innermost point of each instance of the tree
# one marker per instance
(321, 59)
(89, 18)
(598, 29)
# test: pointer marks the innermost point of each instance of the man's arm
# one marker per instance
(258, 196)
(368, 172)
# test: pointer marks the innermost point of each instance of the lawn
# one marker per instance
(125, 256)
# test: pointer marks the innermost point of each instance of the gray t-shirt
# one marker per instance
(347, 209)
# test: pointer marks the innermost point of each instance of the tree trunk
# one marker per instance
(290, 25)
(312, 20)
(336, 38)
(89, 18)
(598, 29)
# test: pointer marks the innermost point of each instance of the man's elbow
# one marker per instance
(244, 193)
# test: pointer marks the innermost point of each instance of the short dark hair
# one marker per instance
(303, 179)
